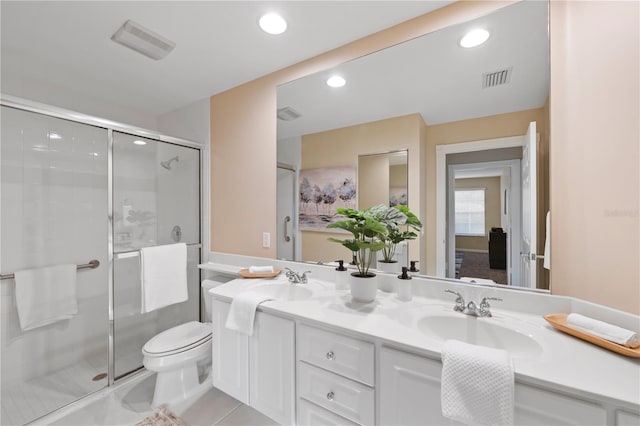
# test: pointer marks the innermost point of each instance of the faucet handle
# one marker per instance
(460, 305)
(486, 299)
(484, 306)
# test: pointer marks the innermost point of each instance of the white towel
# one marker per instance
(604, 330)
(261, 269)
(477, 384)
(547, 243)
(46, 295)
(243, 311)
(163, 276)
(477, 280)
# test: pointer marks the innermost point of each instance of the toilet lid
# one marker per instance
(179, 337)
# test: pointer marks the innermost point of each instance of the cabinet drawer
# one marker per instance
(311, 415)
(346, 356)
(342, 396)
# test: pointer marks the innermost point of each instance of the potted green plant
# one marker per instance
(400, 223)
(368, 238)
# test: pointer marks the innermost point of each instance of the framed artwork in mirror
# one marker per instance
(397, 196)
(322, 192)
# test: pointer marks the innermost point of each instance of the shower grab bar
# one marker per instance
(93, 264)
(136, 253)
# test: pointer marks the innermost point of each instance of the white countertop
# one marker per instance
(563, 362)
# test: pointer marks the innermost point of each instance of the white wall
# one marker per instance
(68, 98)
(190, 122)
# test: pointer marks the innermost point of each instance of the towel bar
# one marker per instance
(136, 253)
(92, 265)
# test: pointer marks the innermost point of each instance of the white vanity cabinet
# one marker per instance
(230, 355)
(258, 370)
(409, 389)
(410, 394)
(335, 378)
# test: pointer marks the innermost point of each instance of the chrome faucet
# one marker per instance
(481, 310)
(296, 278)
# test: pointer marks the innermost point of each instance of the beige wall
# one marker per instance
(243, 133)
(595, 97)
(492, 204)
(491, 127)
(342, 147)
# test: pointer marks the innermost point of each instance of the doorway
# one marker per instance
(483, 215)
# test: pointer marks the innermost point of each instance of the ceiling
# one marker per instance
(66, 46)
(431, 75)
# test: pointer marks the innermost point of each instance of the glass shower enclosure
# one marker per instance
(73, 192)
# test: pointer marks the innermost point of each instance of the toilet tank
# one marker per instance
(207, 285)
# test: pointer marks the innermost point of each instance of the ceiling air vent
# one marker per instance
(496, 78)
(142, 40)
(288, 114)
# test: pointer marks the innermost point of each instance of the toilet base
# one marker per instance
(175, 386)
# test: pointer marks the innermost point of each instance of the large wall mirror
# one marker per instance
(473, 124)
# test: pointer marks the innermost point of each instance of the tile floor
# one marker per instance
(129, 402)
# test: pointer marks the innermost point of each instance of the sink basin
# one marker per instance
(284, 291)
(479, 331)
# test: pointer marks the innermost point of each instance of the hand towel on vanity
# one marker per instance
(46, 295)
(261, 269)
(604, 330)
(477, 384)
(163, 276)
(243, 311)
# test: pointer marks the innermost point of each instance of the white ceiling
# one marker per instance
(66, 44)
(431, 75)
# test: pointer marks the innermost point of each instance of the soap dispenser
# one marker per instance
(413, 268)
(404, 285)
(341, 279)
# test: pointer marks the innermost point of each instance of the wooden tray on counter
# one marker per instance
(244, 273)
(559, 321)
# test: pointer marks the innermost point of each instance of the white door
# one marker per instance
(528, 246)
(286, 214)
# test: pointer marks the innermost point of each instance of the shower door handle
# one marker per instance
(287, 238)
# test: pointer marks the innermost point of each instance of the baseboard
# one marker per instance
(473, 250)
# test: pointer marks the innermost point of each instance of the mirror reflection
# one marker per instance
(466, 117)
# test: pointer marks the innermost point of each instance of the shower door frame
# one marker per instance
(111, 126)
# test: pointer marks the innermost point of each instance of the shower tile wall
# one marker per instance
(53, 211)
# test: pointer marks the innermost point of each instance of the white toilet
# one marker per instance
(176, 353)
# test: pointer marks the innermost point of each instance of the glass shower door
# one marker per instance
(156, 201)
(53, 211)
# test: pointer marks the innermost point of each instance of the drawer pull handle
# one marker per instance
(330, 355)
(330, 396)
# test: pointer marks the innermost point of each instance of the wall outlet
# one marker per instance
(266, 239)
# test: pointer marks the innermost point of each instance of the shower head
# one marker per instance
(167, 164)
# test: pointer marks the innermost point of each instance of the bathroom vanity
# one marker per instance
(316, 357)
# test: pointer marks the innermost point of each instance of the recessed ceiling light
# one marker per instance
(139, 142)
(336, 81)
(54, 135)
(95, 154)
(273, 23)
(474, 38)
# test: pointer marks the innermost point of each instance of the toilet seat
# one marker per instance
(178, 339)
